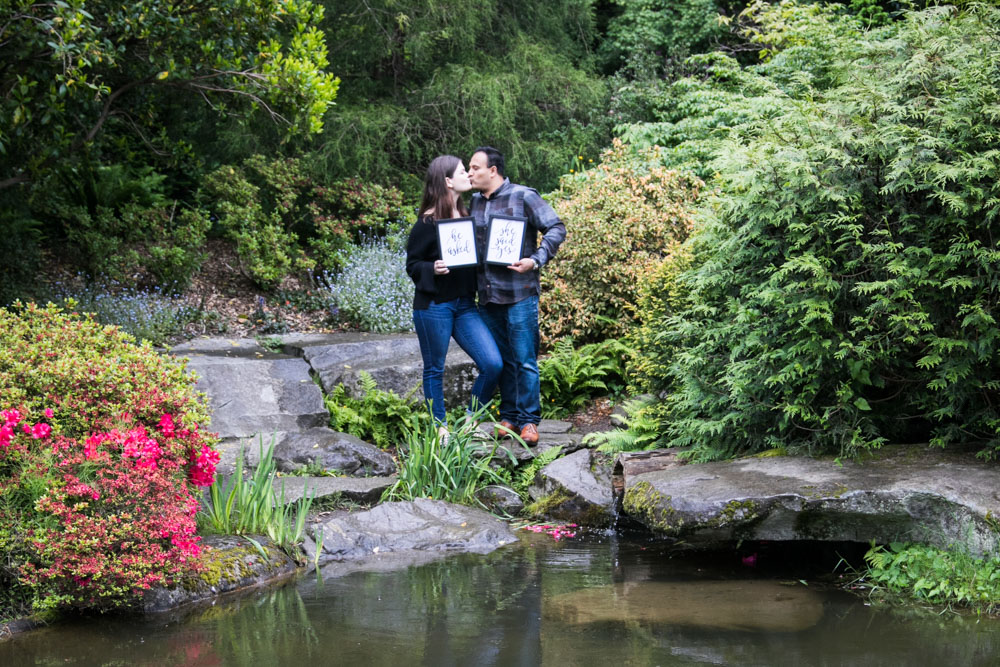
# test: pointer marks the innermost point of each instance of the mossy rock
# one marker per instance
(228, 564)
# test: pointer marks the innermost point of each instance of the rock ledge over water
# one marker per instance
(905, 494)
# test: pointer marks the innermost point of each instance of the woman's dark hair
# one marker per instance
(437, 198)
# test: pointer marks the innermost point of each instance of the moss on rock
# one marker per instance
(643, 502)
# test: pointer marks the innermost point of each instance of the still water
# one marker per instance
(593, 601)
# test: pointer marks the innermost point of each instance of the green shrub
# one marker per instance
(119, 223)
(89, 372)
(19, 237)
(643, 429)
(350, 211)
(803, 48)
(378, 417)
(251, 506)
(451, 469)
(670, 28)
(929, 575)
(146, 314)
(660, 295)
(844, 287)
(258, 207)
(623, 218)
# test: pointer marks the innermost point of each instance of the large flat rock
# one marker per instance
(233, 564)
(250, 396)
(332, 451)
(418, 526)
(903, 494)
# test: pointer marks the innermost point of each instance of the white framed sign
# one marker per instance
(505, 238)
(457, 241)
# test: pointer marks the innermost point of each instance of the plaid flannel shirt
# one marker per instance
(498, 284)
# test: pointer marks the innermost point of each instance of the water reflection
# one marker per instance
(759, 606)
(573, 603)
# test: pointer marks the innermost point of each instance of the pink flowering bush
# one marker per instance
(100, 460)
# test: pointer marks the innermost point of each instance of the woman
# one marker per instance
(444, 303)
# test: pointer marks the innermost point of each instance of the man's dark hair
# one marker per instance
(494, 158)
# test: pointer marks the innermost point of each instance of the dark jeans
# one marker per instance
(435, 327)
(515, 329)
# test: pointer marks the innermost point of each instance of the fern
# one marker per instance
(526, 475)
(570, 377)
(643, 430)
(377, 417)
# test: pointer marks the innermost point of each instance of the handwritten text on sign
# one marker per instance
(458, 241)
(506, 236)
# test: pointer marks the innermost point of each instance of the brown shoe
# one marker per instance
(504, 429)
(529, 434)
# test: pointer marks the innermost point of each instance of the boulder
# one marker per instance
(331, 450)
(253, 394)
(357, 489)
(903, 494)
(421, 525)
(232, 564)
(500, 499)
(249, 397)
(574, 489)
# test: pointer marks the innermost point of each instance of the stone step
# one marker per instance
(333, 451)
(393, 361)
(357, 489)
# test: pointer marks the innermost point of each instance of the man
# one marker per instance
(508, 295)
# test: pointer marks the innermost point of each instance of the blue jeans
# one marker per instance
(515, 329)
(435, 327)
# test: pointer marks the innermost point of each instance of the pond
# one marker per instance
(597, 600)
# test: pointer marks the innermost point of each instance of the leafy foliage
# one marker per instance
(451, 468)
(255, 205)
(624, 216)
(118, 222)
(798, 45)
(927, 574)
(643, 429)
(251, 506)
(671, 29)
(569, 377)
(146, 314)
(20, 237)
(378, 417)
(844, 280)
(74, 71)
(661, 295)
(350, 211)
(525, 475)
(418, 83)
